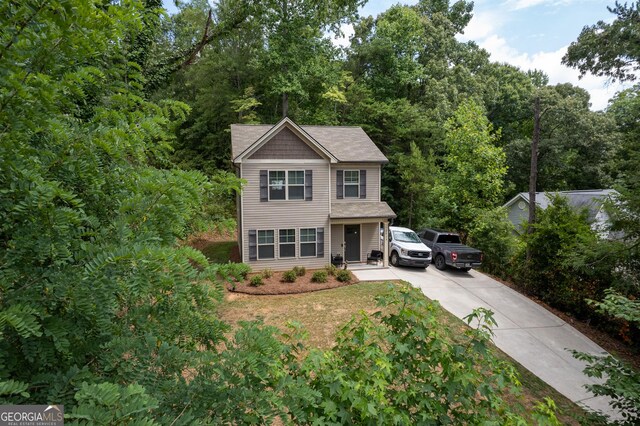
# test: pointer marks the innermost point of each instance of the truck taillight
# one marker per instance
(454, 256)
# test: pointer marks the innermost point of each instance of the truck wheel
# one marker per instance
(395, 261)
(441, 265)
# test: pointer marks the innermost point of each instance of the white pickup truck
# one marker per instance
(406, 248)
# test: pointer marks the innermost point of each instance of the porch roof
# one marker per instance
(361, 210)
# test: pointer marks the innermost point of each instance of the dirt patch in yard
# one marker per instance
(275, 284)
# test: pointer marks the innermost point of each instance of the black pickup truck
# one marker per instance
(447, 250)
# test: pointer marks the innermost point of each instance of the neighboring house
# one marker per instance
(592, 199)
(311, 192)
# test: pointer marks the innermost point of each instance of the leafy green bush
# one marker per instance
(289, 276)
(494, 234)
(319, 277)
(344, 276)
(256, 280)
(548, 270)
(267, 273)
(240, 270)
(383, 363)
(300, 270)
(331, 269)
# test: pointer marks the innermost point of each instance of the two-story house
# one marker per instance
(311, 192)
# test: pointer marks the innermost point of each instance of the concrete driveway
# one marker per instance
(527, 332)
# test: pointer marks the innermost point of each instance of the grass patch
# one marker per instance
(219, 252)
(323, 313)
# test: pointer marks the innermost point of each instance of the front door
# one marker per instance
(352, 241)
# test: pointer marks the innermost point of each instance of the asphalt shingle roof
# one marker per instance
(592, 199)
(358, 210)
(347, 144)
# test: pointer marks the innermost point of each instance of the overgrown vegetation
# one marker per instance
(103, 312)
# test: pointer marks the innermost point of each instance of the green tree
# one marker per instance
(575, 148)
(95, 293)
(473, 169)
(417, 177)
(549, 271)
(609, 49)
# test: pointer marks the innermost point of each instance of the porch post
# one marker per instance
(385, 246)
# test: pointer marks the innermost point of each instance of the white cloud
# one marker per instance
(525, 4)
(551, 64)
(483, 24)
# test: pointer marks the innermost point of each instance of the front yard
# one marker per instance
(323, 313)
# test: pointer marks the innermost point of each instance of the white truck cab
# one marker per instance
(406, 248)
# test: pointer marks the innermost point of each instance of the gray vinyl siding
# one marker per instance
(370, 239)
(517, 216)
(281, 214)
(337, 238)
(373, 181)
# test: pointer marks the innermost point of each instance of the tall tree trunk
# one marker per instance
(533, 174)
(285, 105)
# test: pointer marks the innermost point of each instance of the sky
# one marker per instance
(530, 34)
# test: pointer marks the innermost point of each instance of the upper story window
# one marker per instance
(352, 184)
(277, 185)
(286, 185)
(295, 184)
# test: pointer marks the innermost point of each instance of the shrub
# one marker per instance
(319, 277)
(267, 273)
(331, 269)
(343, 276)
(256, 281)
(289, 276)
(299, 270)
(549, 272)
(493, 233)
(239, 270)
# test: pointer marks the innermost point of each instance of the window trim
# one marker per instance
(344, 184)
(258, 244)
(315, 242)
(286, 184)
(294, 243)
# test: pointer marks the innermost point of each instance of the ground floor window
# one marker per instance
(266, 245)
(287, 243)
(308, 242)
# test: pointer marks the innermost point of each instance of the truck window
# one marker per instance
(449, 239)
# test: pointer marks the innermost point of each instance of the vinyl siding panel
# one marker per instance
(281, 214)
(373, 181)
(517, 216)
(337, 238)
(370, 239)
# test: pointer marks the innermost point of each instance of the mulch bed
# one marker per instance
(303, 284)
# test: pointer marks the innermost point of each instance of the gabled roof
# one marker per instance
(339, 143)
(592, 199)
